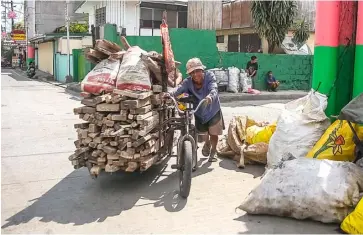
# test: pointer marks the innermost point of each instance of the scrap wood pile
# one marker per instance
(119, 133)
(122, 109)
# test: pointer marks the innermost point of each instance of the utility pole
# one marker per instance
(68, 77)
(12, 19)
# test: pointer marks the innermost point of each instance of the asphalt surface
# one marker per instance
(42, 193)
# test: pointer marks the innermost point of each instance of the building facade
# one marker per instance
(137, 18)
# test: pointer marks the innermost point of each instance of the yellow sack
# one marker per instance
(353, 223)
(256, 134)
(337, 142)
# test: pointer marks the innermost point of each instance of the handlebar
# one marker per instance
(193, 111)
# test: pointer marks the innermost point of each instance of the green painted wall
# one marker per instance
(293, 71)
(148, 43)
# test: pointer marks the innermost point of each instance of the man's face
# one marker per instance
(270, 74)
(197, 76)
(254, 61)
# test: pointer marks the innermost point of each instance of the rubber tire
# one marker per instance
(185, 176)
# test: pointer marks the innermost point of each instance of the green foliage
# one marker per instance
(301, 32)
(73, 28)
(6, 52)
(273, 19)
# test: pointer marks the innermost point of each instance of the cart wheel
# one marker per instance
(185, 172)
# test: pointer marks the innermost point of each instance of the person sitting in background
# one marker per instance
(252, 67)
(271, 81)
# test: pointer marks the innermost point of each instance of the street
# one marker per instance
(42, 193)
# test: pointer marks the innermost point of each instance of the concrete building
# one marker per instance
(139, 18)
(44, 16)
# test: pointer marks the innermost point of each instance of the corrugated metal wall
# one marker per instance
(205, 14)
(237, 15)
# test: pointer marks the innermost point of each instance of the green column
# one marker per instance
(358, 65)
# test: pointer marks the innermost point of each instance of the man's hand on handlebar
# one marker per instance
(165, 95)
(208, 99)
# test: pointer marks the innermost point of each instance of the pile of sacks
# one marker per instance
(246, 141)
(235, 79)
(309, 170)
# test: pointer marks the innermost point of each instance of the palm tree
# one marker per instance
(273, 19)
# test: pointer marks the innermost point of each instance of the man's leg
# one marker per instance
(214, 131)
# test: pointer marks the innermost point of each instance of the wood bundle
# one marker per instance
(120, 132)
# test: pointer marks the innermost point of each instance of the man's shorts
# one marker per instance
(215, 126)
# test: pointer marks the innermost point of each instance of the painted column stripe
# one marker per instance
(359, 38)
(358, 65)
(327, 23)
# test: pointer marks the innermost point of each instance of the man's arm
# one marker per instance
(183, 88)
(212, 86)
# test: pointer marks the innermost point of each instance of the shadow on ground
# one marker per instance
(261, 224)
(81, 200)
(229, 164)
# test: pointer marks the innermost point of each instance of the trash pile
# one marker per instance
(312, 168)
(122, 112)
(234, 80)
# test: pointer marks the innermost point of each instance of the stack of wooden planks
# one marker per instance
(120, 131)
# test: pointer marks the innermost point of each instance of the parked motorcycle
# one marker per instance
(31, 71)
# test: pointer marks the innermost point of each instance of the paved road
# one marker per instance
(41, 193)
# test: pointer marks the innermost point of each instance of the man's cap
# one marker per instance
(194, 64)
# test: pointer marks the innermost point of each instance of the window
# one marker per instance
(158, 16)
(100, 16)
(146, 18)
(220, 39)
(152, 18)
(182, 19)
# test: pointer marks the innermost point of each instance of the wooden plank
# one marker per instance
(144, 116)
(157, 88)
(133, 94)
(113, 156)
(132, 166)
(141, 141)
(111, 168)
(148, 162)
(134, 104)
(81, 125)
(141, 110)
(108, 107)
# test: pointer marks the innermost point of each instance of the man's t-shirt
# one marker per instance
(251, 67)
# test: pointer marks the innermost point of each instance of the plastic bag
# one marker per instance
(233, 80)
(353, 223)
(223, 148)
(102, 78)
(256, 152)
(303, 188)
(133, 73)
(257, 134)
(245, 81)
(221, 75)
(299, 127)
(336, 143)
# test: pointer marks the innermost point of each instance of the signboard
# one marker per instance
(18, 37)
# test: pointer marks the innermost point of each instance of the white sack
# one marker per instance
(245, 81)
(133, 73)
(221, 75)
(321, 190)
(233, 79)
(299, 127)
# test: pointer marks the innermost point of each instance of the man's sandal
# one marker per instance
(206, 149)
